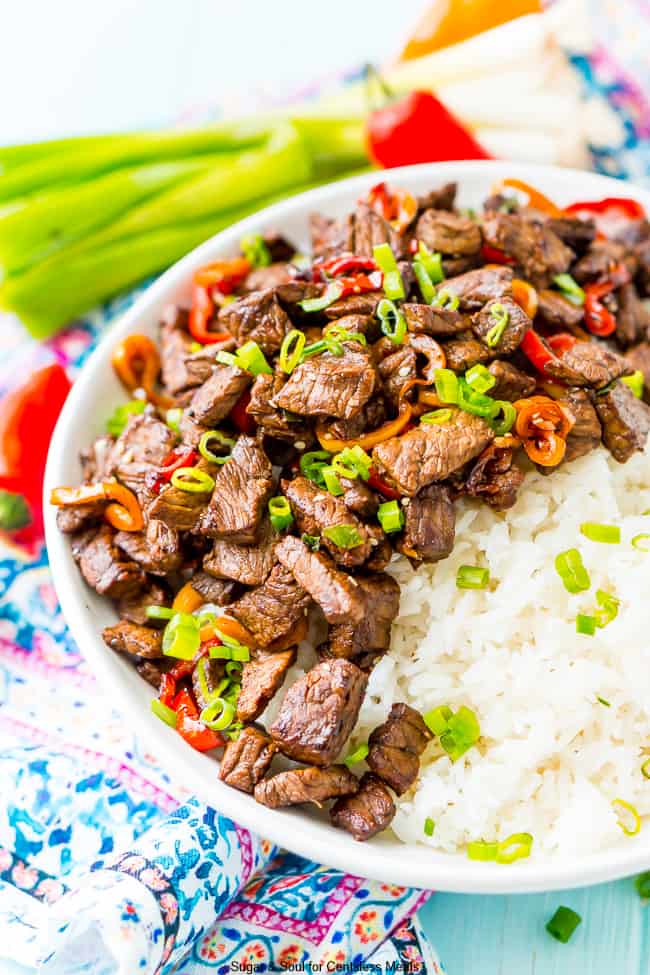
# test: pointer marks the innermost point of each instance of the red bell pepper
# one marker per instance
(599, 319)
(398, 207)
(358, 284)
(418, 128)
(190, 728)
(346, 263)
(175, 459)
(200, 315)
(28, 415)
(536, 350)
(492, 255)
(377, 483)
(241, 417)
(561, 342)
(610, 206)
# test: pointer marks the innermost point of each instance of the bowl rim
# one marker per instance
(394, 862)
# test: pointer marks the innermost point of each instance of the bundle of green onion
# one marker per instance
(82, 219)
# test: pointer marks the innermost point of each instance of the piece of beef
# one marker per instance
(372, 634)
(248, 564)
(439, 322)
(272, 610)
(557, 311)
(535, 247)
(258, 317)
(329, 385)
(396, 746)
(358, 497)
(181, 368)
(103, 566)
(139, 451)
(371, 229)
(517, 324)
(576, 233)
(433, 451)
(271, 276)
(511, 383)
(216, 397)
(319, 711)
(364, 324)
(368, 812)
(181, 510)
(95, 460)
(134, 640)
(588, 364)
(363, 304)
(638, 357)
(382, 552)
(272, 421)
(441, 199)
(132, 606)
(494, 478)
(463, 353)
(247, 759)
(157, 548)
(371, 416)
(315, 510)
(206, 677)
(585, 434)
(218, 591)
(453, 266)
(483, 284)
(242, 488)
(602, 256)
(330, 237)
(151, 671)
(78, 517)
(262, 677)
(339, 595)
(449, 233)
(396, 370)
(299, 785)
(625, 420)
(429, 525)
(632, 316)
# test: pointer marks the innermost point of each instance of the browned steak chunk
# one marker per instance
(494, 478)
(329, 385)
(79, 517)
(511, 383)
(441, 199)
(272, 610)
(372, 634)
(157, 549)
(137, 641)
(242, 487)
(216, 397)
(364, 304)
(181, 510)
(632, 317)
(151, 672)
(273, 421)
(397, 369)
(429, 525)
(371, 229)
(319, 711)
(140, 450)
(206, 677)
(217, 591)
(638, 357)
(557, 311)
(246, 760)
(573, 231)
(439, 322)
(368, 812)
(133, 606)
(330, 237)
(272, 276)
(258, 317)
(396, 746)
(483, 284)
(181, 368)
(463, 353)
(599, 260)
(103, 566)
(449, 233)
(588, 364)
(534, 246)
(248, 564)
(262, 678)
(358, 497)
(95, 460)
(432, 452)
(625, 420)
(517, 324)
(585, 434)
(338, 594)
(310, 784)
(316, 510)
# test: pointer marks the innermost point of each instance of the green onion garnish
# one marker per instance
(163, 712)
(642, 884)
(357, 755)
(480, 850)
(344, 536)
(472, 577)
(251, 358)
(255, 250)
(570, 288)
(446, 385)
(505, 424)
(393, 284)
(173, 418)
(431, 261)
(332, 483)
(182, 637)
(120, 416)
(640, 542)
(564, 921)
(477, 403)
(217, 715)
(291, 350)
(311, 541)
(480, 378)
(427, 289)
(193, 480)
(429, 826)
(515, 847)
(457, 732)
(635, 382)
(571, 570)
(437, 720)
(586, 624)
(158, 613)
(608, 534)
(332, 293)
(280, 513)
(645, 769)
(352, 462)
(445, 299)
(603, 701)
(500, 316)
(632, 824)
(393, 323)
(391, 516)
(327, 344)
(220, 438)
(227, 359)
(608, 607)
(436, 417)
(312, 464)
(340, 334)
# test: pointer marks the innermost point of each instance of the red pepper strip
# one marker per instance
(28, 415)
(225, 276)
(348, 262)
(494, 256)
(418, 128)
(561, 342)
(167, 691)
(240, 417)
(358, 284)
(610, 204)
(536, 350)
(377, 483)
(398, 207)
(598, 319)
(190, 728)
(200, 315)
(179, 457)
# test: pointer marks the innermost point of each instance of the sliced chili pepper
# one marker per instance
(187, 599)
(200, 315)
(525, 296)
(167, 690)
(536, 199)
(599, 319)
(377, 483)
(561, 342)
(536, 350)
(190, 728)
(610, 204)
(543, 426)
(225, 275)
(123, 513)
(492, 255)
(391, 429)
(347, 262)
(240, 416)
(137, 365)
(176, 458)
(398, 207)
(359, 284)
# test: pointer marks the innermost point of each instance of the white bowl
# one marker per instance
(97, 392)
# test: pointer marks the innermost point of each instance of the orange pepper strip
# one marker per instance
(428, 397)
(231, 272)
(536, 200)
(385, 432)
(525, 296)
(137, 364)
(229, 627)
(124, 514)
(543, 426)
(187, 599)
(547, 452)
(507, 441)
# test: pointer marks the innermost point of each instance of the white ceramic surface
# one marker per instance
(93, 398)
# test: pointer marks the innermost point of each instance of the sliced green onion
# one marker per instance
(238, 650)
(500, 316)
(357, 755)
(446, 385)
(393, 284)
(193, 480)
(332, 293)
(633, 826)
(437, 720)
(311, 541)
(182, 637)
(255, 250)
(477, 403)
(570, 568)
(429, 826)
(480, 850)
(436, 417)
(234, 669)
(291, 350)
(391, 516)
(344, 536)
(201, 671)
(221, 439)
(445, 299)
(645, 769)
(640, 542)
(217, 715)
(515, 847)
(393, 323)
(120, 416)
(603, 701)
(220, 652)
(173, 418)
(196, 346)
(163, 712)
(570, 288)
(505, 424)
(635, 382)
(352, 462)
(564, 921)
(461, 733)
(642, 884)
(586, 625)
(431, 261)
(323, 345)
(480, 378)
(425, 284)
(332, 483)
(280, 513)
(227, 358)
(339, 334)
(312, 464)
(158, 613)
(595, 532)
(251, 358)
(608, 607)
(472, 577)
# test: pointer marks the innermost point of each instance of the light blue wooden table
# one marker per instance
(490, 935)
